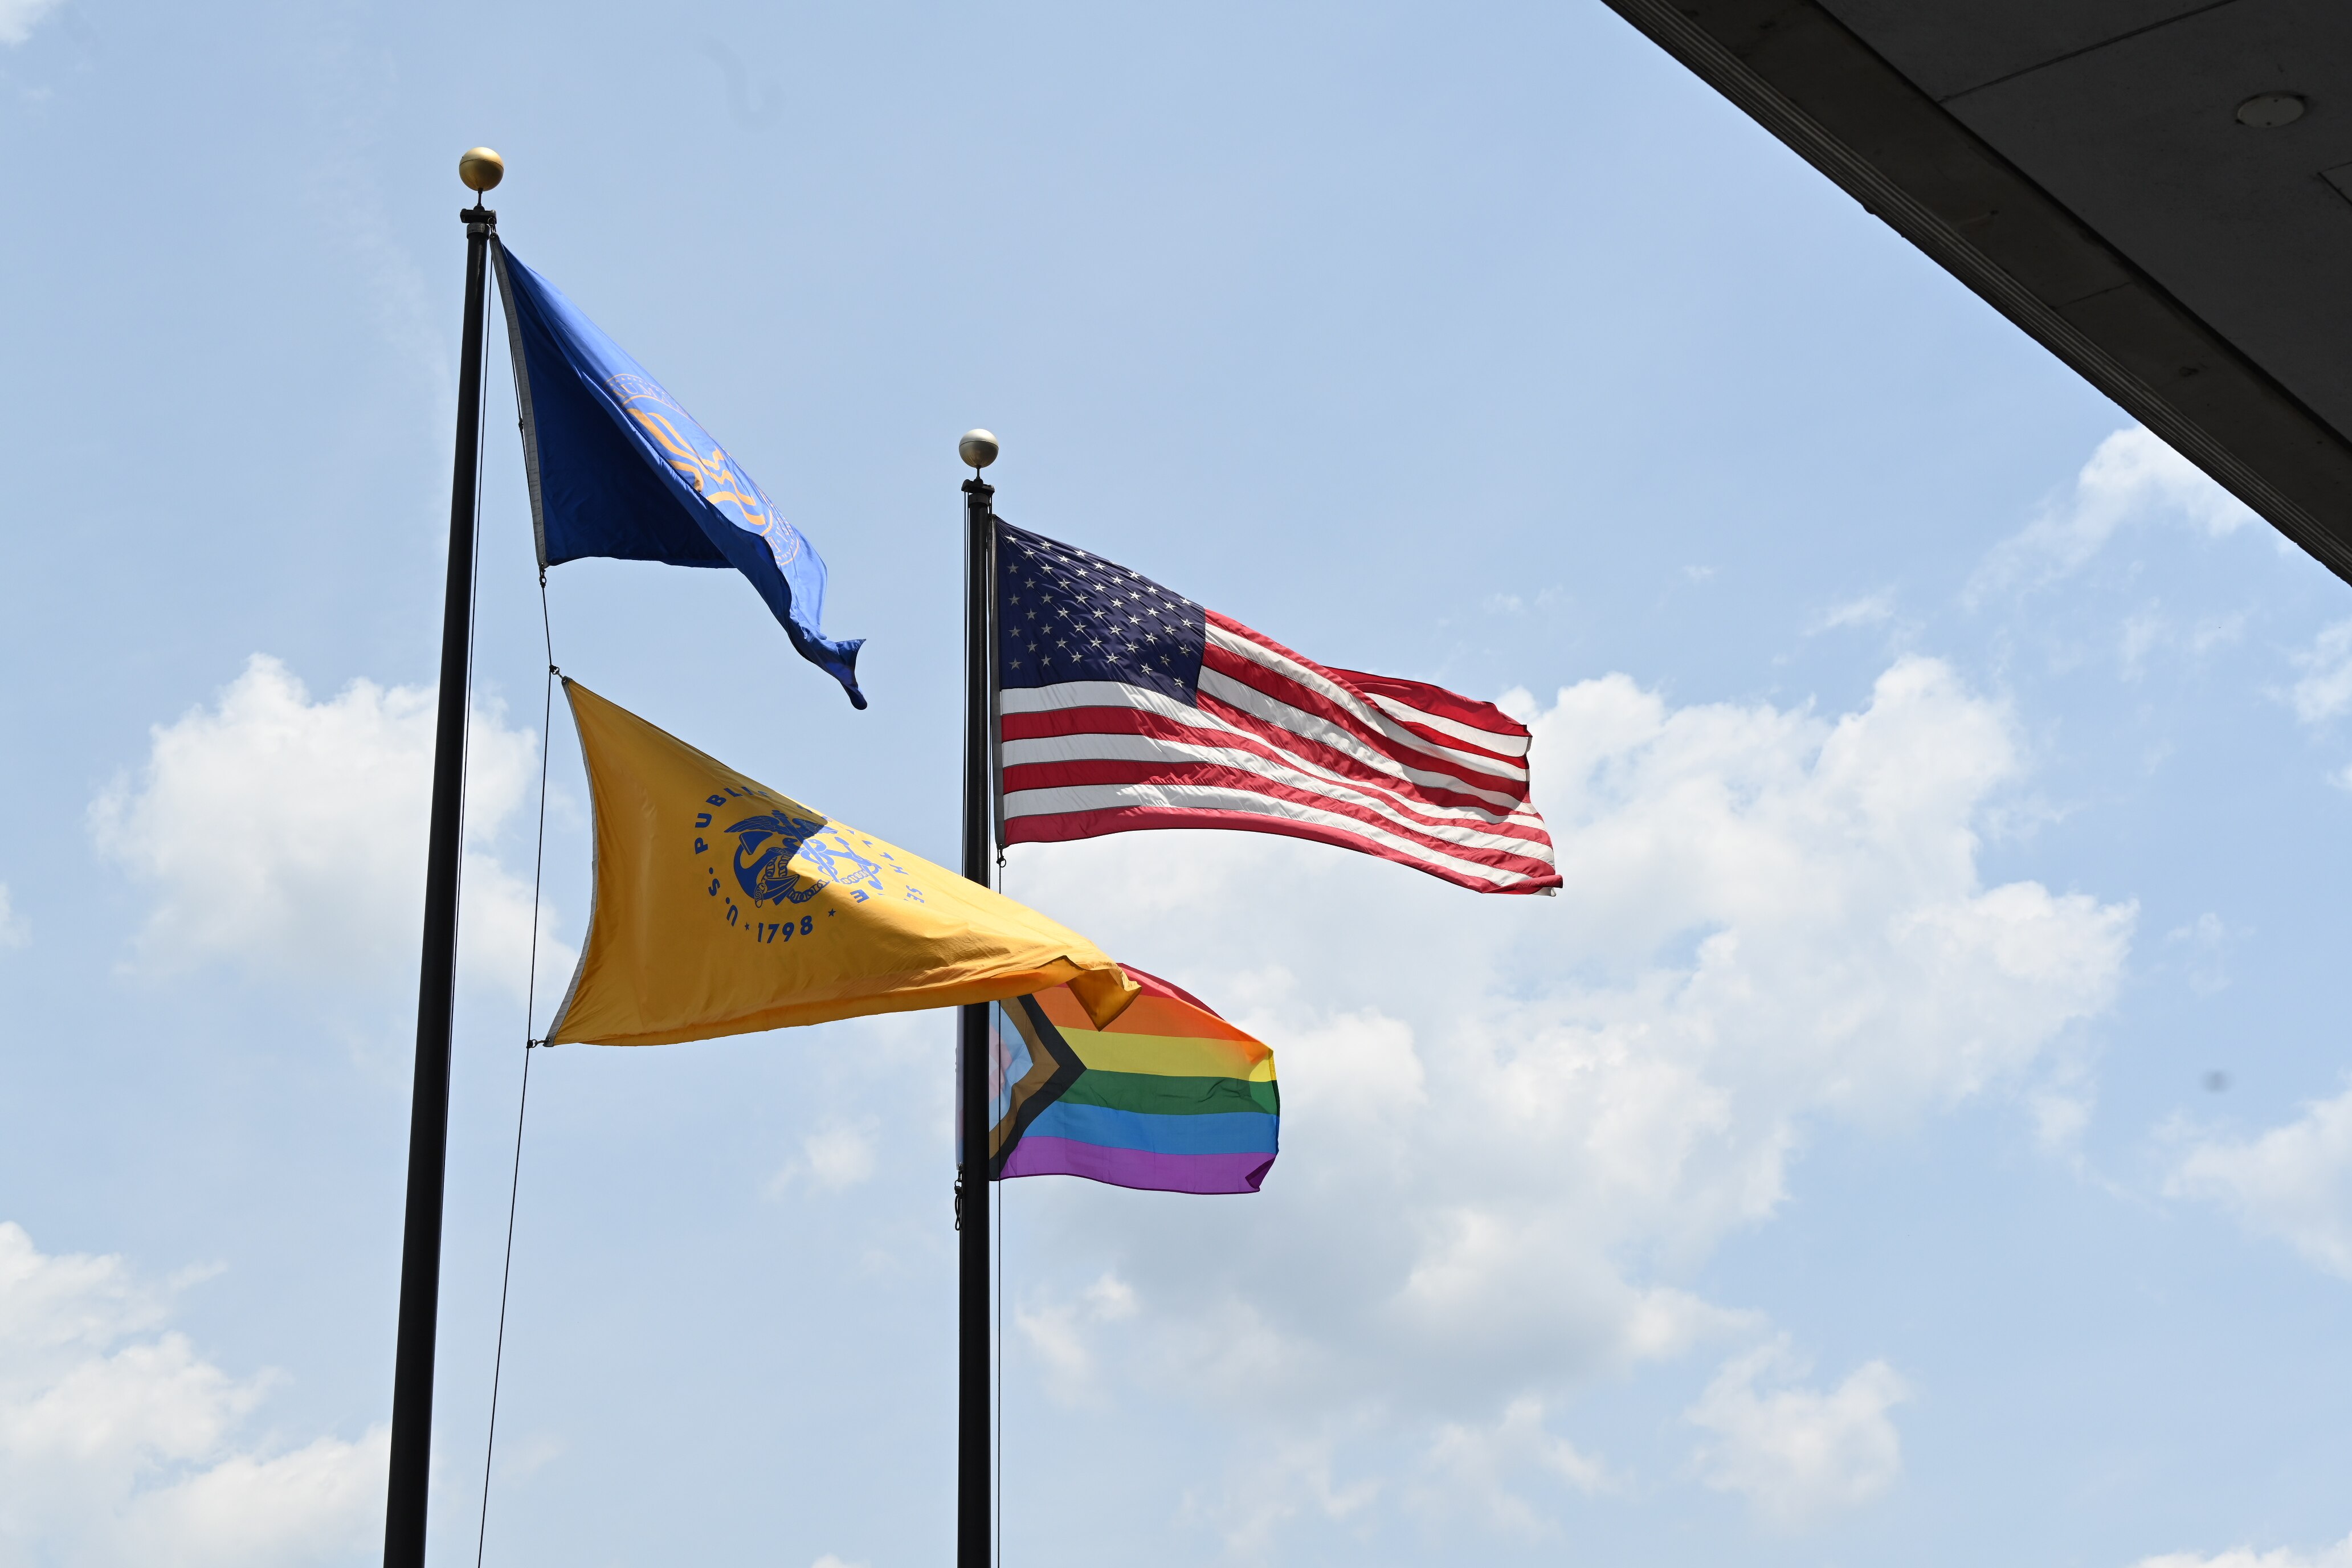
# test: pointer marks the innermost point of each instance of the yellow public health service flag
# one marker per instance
(723, 906)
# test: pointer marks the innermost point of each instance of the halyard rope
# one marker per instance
(522, 1101)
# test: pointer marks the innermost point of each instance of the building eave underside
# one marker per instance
(1802, 75)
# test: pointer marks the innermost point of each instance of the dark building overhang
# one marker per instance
(2149, 188)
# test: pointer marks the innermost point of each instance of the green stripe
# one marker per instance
(1150, 1094)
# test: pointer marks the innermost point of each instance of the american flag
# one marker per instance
(1123, 706)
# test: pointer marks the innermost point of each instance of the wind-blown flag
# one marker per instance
(618, 468)
(1123, 706)
(723, 906)
(1168, 1097)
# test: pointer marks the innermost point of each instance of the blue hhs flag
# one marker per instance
(618, 468)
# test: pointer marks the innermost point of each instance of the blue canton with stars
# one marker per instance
(1064, 615)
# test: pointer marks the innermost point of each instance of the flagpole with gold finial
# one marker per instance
(973, 1470)
(428, 1119)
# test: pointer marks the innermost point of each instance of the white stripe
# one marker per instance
(1374, 720)
(1095, 745)
(1340, 738)
(1071, 695)
(1145, 748)
(1510, 745)
(1077, 798)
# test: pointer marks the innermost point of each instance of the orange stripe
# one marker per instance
(1147, 1014)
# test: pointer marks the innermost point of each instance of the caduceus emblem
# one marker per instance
(699, 461)
(764, 847)
(841, 863)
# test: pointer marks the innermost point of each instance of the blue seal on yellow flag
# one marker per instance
(764, 847)
(619, 468)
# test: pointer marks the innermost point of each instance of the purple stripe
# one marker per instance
(1241, 1172)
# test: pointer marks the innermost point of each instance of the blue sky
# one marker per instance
(1919, 1131)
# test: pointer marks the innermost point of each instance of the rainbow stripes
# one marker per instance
(1171, 1097)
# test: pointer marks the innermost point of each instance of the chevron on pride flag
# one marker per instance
(1167, 1096)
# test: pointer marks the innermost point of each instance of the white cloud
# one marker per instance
(1470, 1467)
(829, 1561)
(2060, 1107)
(1870, 610)
(839, 1156)
(2336, 1556)
(1513, 1128)
(2216, 631)
(15, 931)
(521, 1459)
(288, 836)
(2325, 688)
(1277, 1479)
(1798, 1454)
(1548, 600)
(2132, 475)
(2293, 1182)
(834, 1157)
(2204, 946)
(1057, 1333)
(117, 1440)
(2141, 635)
(2150, 629)
(17, 18)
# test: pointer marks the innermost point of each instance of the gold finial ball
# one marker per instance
(977, 448)
(480, 168)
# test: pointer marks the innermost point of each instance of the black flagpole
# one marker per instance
(972, 1470)
(428, 1115)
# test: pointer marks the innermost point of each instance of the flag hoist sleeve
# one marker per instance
(723, 906)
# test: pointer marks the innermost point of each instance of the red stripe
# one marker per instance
(1429, 698)
(1405, 812)
(1258, 736)
(1289, 693)
(1423, 699)
(1217, 776)
(1068, 825)
(1281, 687)
(1502, 860)
(1155, 986)
(1463, 792)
